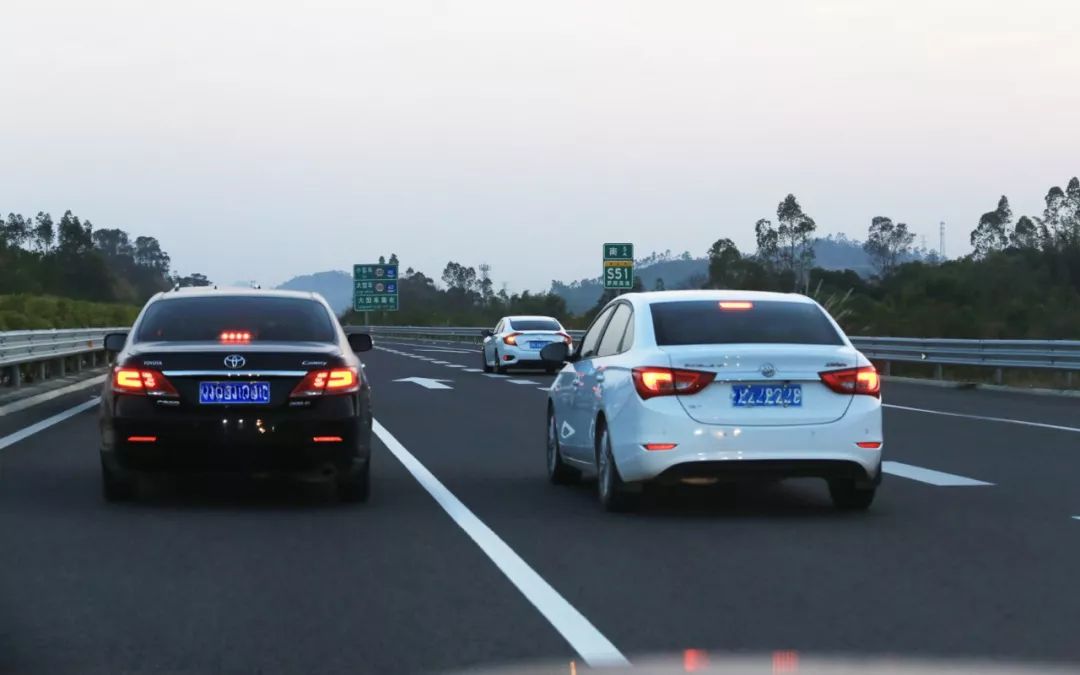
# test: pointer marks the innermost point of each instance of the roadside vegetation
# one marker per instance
(39, 312)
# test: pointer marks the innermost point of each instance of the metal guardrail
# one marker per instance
(38, 354)
(1061, 355)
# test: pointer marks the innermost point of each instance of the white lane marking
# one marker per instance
(939, 478)
(585, 639)
(522, 382)
(449, 351)
(494, 375)
(440, 363)
(25, 403)
(427, 382)
(44, 424)
(1041, 425)
(454, 365)
(472, 370)
(1076, 517)
(544, 388)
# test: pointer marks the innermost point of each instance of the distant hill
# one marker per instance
(684, 271)
(335, 286)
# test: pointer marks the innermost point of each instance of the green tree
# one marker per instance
(659, 284)
(992, 232)
(886, 243)
(725, 264)
(795, 232)
(44, 234)
(1025, 235)
(768, 243)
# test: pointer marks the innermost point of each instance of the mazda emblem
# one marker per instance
(234, 361)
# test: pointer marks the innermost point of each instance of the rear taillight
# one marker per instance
(142, 382)
(651, 381)
(336, 381)
(511, 339)
(863, 380)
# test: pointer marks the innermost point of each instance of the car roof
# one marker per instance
(654, 297)
(530, 317)
(216, 292)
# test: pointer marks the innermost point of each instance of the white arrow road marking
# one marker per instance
(939, 478)
(583, 637)
(426, 382)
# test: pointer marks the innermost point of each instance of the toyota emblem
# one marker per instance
(234, 361)
(768, 369)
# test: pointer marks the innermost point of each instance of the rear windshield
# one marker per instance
(205, 319)
(703, 322)
(534, 324)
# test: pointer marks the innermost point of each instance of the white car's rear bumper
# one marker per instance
(704, 450)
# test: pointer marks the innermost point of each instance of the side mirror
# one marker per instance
(114, 342)
(487, 332)
(361, 342)
(555, 353)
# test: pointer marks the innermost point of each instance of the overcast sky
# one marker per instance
(264, 139)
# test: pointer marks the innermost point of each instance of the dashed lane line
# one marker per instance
(585, 638)
(939, 478)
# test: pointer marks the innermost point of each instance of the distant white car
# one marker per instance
(699, 386)
(516, 341)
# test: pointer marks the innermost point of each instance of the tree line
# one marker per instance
(71, 258)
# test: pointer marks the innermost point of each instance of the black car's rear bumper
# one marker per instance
(237, 440)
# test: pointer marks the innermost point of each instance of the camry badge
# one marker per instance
(234, 361)
(768, 369)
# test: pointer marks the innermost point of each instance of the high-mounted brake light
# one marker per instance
(511, 339)
(863, 380)
(336, 381)
(736, 304)
(235, 336)
(142, 382)
(651, 381)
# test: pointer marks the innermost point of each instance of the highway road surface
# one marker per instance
(466, 556)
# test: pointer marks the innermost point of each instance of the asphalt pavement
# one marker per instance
(466, 556)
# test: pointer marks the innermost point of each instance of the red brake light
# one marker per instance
(736, 304)
(336, 381)
(235, 336)
(863, 380)
(660, 446)
(650, 381)
(511, 339)
(142, 382)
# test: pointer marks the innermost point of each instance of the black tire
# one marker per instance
(116, 487)
(849, 496)
(615, 495)
(483, 357)
(558, 472)
(355, 486)
(499, 369)
(551, 370)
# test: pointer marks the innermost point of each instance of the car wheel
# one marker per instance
(114, 486)
(483, 357)
(558, 472)
(355, 486)
(848, 496)
(499, 368)
(615, 495)
(551, 370)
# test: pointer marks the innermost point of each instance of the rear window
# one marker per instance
(703, 322)
(534, 324)
(267, 318)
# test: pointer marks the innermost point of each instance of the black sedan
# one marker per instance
(236, 381)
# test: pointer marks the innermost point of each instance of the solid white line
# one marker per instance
(939, 478)
(522, 382)
(1025, 423)
(585, 639)
(25, 403)
(12, 439)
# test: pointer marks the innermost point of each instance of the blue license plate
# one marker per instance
(766, 395)
(536, 344)
(234, 393)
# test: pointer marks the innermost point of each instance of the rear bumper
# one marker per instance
(727, 451)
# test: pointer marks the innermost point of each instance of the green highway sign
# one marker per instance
(375, 288)
(619, 266)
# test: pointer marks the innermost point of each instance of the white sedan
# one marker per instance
(516, 342)
(700, 386)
